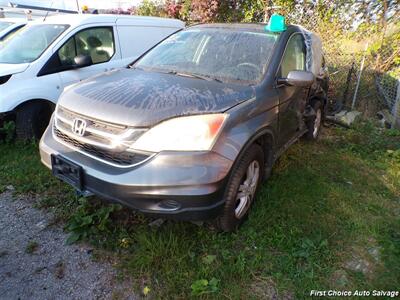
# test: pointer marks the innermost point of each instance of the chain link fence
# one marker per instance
(364, 72)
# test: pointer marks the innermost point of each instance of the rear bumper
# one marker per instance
(187, 186)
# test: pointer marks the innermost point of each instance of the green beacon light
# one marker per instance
(276, 23)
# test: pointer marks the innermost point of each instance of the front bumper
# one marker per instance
(188, 186)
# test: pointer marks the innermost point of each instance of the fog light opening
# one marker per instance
(169, 205)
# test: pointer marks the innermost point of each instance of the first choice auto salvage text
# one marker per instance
(336, 293)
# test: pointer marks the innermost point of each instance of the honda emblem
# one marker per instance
(79, 126)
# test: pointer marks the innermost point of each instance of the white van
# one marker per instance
(9, 26)
(44, 57)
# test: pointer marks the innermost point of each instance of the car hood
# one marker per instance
(10, 69)
(142, 99)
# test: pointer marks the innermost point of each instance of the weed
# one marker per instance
(8, 130)
(59, 270)
(209, 259)
(146, 290)
(31, 247)
(203, 286)
(87, 223)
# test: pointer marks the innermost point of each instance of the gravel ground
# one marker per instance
(35, 263)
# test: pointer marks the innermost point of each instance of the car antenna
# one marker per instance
(78, 7)
(47, 13)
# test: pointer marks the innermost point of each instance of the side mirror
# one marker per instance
(298, 78)
(82, 61)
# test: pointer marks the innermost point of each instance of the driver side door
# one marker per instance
(292, 99)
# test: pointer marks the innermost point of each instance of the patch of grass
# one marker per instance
(203, 286)
(20, 167)
(7, 132)
(326, 204)
(32, 247)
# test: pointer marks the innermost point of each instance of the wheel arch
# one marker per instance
(31, 118)
(266, 139)
(51, 105)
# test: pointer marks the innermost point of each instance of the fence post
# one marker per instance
(359, 77)
(396, 107)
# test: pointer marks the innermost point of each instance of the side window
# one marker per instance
(98, 43)
(294, 58)
(67, 53)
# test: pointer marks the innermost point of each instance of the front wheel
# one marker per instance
(32, 120)
(241, 189)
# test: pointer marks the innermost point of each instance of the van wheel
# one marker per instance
(241, 189)
(32, 120)
(314, 124)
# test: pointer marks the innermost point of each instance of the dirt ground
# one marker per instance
(35, 262)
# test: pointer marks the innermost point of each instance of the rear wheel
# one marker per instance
(241, 189)
(32, 120)
(314, 124)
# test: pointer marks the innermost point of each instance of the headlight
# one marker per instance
(193, 133)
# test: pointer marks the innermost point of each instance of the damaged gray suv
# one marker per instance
(191, 128)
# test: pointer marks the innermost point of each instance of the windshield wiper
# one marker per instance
(177, 73)
(135, 68)
(192, 75)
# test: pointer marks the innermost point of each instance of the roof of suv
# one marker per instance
(233, 26)
(236, 26)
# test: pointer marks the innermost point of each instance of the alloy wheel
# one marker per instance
(317, 123)
(247, 189)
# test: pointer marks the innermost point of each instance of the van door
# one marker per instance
(99, 43)
(140, 36)
(292, 100)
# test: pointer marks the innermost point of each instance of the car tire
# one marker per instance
(245, 182)
(314, 123)
(32, 120)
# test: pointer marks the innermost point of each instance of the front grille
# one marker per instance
(122, 158)
(99, 138)
(66, 116)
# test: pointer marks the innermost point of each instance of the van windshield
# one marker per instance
(4, 25)
(29, 44)
(225, 55)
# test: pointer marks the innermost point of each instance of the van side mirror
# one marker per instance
(298, 78)
(82, 61)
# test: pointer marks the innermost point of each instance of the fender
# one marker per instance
(269, 154)
(255, 138)
(14, 97)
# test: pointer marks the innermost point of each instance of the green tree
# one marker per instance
(186, 10)
(150, 8)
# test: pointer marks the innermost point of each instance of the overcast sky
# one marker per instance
(71, 4)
